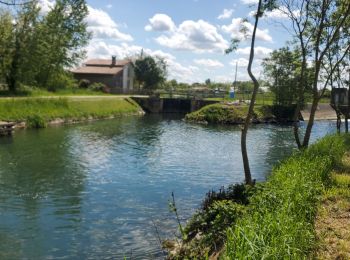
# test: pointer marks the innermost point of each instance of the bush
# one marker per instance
(84, 83)
(36, 121)
(60, 80)
(227, 114)
(97, 86)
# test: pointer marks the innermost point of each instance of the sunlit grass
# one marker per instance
(280, 223)
(64, 108)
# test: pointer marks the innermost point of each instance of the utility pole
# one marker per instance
(234, 85)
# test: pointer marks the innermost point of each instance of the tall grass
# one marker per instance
(281, 214)
(41, 110)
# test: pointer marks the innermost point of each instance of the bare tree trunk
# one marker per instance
(247, 173)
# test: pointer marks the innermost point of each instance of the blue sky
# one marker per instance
(191, 35)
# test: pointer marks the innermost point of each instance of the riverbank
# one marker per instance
(333, 218)
(225, 113)
(273, 220)
(40, 112)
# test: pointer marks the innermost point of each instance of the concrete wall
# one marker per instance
(170, 105)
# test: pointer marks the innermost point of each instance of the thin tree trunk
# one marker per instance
(310, 123)
(247, 173)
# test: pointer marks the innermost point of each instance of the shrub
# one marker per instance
(84, 83)
(36, 121)
(60, 80)
(97, 86)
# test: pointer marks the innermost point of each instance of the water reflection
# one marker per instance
(94, 190)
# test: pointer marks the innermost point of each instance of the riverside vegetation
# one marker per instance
(271, 220)
(38, 112)
(235, 114)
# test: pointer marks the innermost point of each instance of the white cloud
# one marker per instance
(160, 22)
(243, 30)
(260, 52)
(209, 63)
(249, 2)
(226, 14)
(109, 6)
(100, 24)
(241, 62)
(280, 13)
(103, 26)
(102, 50)
(197, 36)
(45, 6)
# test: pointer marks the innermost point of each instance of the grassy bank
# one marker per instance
(273, 220)
(235, 114)
(333, 218)
(37, 112)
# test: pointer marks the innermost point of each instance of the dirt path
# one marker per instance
(324, 112)
(333, 220)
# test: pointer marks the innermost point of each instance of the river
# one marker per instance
(100, 190)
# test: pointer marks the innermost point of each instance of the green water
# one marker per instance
(98, 190)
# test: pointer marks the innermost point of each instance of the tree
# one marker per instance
(23, 49)
(150, 72)
(263, 5)
(282, 69)
(318, 26)
(6, 44)
(43, 48)
(62, 36)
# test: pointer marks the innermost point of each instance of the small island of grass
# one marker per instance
(225, 113)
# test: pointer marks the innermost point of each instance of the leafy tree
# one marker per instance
(39, 50)
(23, 47)
(6, 44)
(150, 72)
(320, 27)
(263, 5)
(282, 69)
(62, 35)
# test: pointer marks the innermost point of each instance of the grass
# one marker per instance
(37, 92)
(39, 111)
(281, 215)
(261, 98)
(333, 217)
(275, 219)
(229, 114)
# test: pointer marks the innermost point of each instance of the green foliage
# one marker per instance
(37, 50)
(150, 72)
(6, 40)
(36, 121)
(206, 231)
(84, 83)
(60, 80)
(227, 114)
(97, 87)
(282, 70)
(280, 218)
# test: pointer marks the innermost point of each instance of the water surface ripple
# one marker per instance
(96, 190)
